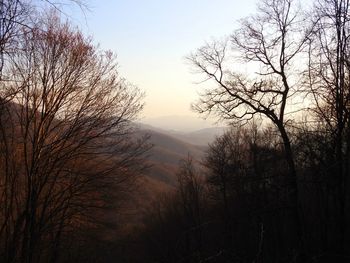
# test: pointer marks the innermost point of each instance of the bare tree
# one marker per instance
(190, 191)
(328, 79)
(271, 43)
(14, 16)
(225, 159)
(71, 117)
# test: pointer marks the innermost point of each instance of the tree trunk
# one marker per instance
(293, 194)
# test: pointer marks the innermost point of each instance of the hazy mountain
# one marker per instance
(179, 123)
(166, 153)
(170, 146)
(201, 137)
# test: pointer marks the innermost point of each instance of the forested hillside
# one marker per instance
(166, 153)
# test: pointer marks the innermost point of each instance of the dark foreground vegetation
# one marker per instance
(274, 188)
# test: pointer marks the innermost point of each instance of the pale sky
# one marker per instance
(151, 39)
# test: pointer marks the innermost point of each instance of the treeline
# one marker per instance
(68, 156)
(235, 206)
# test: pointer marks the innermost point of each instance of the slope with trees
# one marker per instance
(67, 146)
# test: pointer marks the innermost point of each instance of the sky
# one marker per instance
(151, 39)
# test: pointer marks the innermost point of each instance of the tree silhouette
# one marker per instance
(71, 138)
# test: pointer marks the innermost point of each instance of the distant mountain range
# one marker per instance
(170, 146)
(200, 137)
(179, 123)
